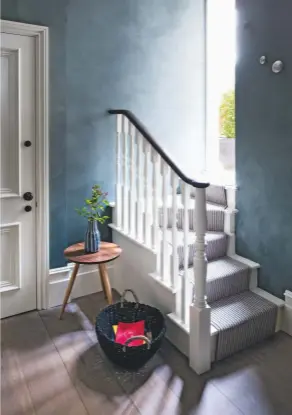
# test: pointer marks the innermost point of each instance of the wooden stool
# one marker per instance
(75, 253)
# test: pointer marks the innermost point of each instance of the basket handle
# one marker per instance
(137, 338)
(124, 294)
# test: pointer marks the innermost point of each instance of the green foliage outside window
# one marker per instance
(227, 115)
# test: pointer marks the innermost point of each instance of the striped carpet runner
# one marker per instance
(242, 320)
(241, 317)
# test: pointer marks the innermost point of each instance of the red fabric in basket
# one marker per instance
(127, 330)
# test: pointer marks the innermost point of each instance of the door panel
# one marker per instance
(10, 255)
(10, 170)
(18, 227)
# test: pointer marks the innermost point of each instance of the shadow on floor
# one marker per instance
(255, 381)
(167, 376)
(247, 379)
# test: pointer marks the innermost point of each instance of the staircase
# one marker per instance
(241, 315)
(216, 308)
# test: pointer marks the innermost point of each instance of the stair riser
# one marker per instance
(230, 285)
(242, 320)
(214, 194)
(214, 250)
(245, 335)
(215, 219)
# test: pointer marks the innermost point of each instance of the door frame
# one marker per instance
(41, 35)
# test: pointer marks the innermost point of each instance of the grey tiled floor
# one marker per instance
(56, 367)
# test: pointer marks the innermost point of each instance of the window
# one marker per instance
(220, 105)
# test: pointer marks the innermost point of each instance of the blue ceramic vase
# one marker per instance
(92, 238)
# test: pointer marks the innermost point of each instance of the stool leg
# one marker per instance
(105, 283)
(69, 289)
(102, 283)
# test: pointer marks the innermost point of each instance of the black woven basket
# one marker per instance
(131, 358)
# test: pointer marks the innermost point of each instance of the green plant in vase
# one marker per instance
(93, 211)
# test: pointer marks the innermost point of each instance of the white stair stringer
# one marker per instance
(135, 269)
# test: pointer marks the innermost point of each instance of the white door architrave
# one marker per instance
(40, 33)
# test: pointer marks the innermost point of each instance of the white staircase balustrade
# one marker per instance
(185, 284)
(139, 189)
(174, 256)
(118, 209)
(155, 197)
(165, 251)
(147, 194)
(125, 174)
(147, 209)
(132, 187)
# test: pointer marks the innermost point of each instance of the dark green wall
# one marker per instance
(264, 141)
(109, 53)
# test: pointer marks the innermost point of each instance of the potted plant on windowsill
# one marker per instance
(93, 212)
(227, 130)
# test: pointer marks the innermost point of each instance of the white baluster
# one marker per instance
(125, 182)
(164, 242)
(200, 260)
(139, 187)
(200, 312)
(147, 195)
(132, 188)
(174, 265)
(186, 230)
(118, 205)
(155, 186)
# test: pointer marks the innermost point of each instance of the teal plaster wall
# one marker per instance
(133, 54)
(264, 141)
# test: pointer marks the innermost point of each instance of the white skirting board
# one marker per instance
(179, 335)
(287, 317)
(87, 282)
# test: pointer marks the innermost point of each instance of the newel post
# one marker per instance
(200, 312)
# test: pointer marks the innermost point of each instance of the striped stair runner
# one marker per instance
(215, 215)
(242, 320)
(241, 317)
(216, 245)
(215, 194)
(225, 277)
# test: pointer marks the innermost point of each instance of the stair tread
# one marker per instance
(232, 311)
(220, 267)
(192, 203)
(210, 236)
(216, 244)
(215, 194)
(215, 214)
(225, 277)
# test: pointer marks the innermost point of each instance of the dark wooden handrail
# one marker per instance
(143, 130)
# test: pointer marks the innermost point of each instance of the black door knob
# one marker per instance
(28, 208)
(27, 143)
(28, 196)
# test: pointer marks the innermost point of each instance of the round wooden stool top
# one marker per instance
(107, 252)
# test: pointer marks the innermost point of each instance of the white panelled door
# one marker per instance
(18, 217)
